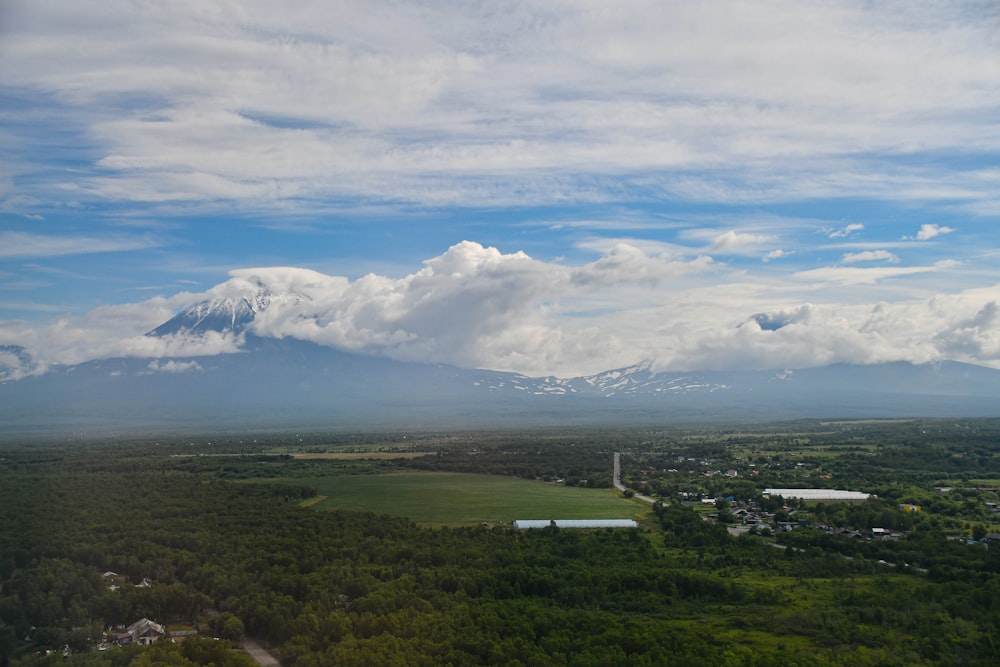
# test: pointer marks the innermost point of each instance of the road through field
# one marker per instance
(617, 480)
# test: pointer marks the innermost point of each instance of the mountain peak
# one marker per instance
(228, 314)
(232, 306)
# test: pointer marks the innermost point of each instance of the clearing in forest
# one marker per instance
(454, 498)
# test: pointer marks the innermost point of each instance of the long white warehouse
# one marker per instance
(817, 495)
(522, 524)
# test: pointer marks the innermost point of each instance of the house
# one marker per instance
(120, 639)
(146, 632)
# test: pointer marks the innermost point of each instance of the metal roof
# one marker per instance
(522, 524)
(818, 494)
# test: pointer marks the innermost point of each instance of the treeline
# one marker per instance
(566, 462)
(333, 588)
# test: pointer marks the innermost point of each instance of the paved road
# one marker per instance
(617, 480)
(263, 658)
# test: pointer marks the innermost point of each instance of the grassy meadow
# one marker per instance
(453, 498)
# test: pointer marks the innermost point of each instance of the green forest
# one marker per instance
(222, 538)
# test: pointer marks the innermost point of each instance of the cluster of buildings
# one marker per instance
(143, 631)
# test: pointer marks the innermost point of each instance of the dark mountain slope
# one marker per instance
(291, 384)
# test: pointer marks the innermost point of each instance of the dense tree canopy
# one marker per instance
(329, 588)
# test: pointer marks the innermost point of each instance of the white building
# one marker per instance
(523, 524)
(818, 495)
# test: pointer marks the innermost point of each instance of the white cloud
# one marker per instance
(23, 244)
(626, 263)
(476, 306)
(729, 242)
(113, 331)
(732, 242)
(845, 231)
(173, 366)
(918, 331)
(976, 337)
(869, 256)
(929, 231)
(471, 103)
(850, 275)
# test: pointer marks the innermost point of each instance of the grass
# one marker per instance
(362, 456)
(451, 498)
(312, 501)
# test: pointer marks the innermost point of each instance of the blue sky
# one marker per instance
(556, 187)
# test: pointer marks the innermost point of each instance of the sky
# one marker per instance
(550, 188)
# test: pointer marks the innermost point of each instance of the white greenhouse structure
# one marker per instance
(523, 524)
(818, 495)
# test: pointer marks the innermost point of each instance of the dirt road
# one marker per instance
(258, 653)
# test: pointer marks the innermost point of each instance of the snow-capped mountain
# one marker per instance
(236, 304)
(226, 314)
(230, 314)
(640, 379)
(281, 383)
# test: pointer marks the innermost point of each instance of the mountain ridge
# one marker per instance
(294, 383)
(287, 382)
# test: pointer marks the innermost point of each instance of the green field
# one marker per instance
(451, 498)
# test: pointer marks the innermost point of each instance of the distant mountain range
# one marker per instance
(288, 383)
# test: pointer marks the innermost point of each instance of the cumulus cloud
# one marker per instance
(976, 337)
(477, 306)
(929, 231)
(471, 306)
(113, 331)
(918, 331)
(173, 366)
(777, 320)
(455, 302)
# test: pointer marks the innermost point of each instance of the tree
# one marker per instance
(227, 626)
(722, 508)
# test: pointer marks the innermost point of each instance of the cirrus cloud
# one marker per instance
(439, 103)
(870, 256)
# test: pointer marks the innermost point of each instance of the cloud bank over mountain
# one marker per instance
(477, 307)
